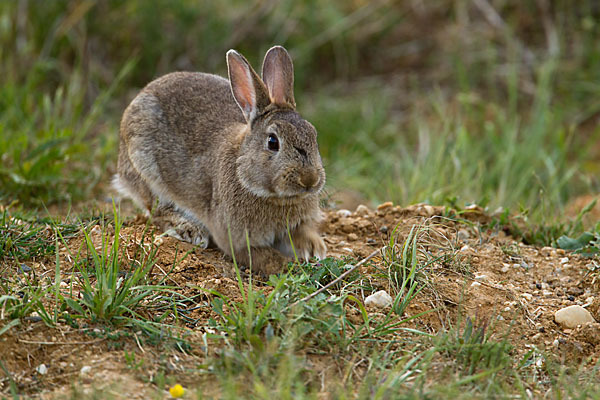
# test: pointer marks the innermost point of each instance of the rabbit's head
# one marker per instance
(279, 156)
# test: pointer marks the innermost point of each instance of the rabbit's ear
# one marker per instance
(247, 88)
(278, 75)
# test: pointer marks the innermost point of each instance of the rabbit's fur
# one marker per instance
(201, 149)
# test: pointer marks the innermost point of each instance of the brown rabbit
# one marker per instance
(225, 159)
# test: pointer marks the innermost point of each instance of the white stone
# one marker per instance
(42, 369)
(505, 268)
(343, 213)
(572, 316)
(481, 277)
(379, 299)
(589, 300)
(564, 260)
(539, 363)
(429, 210)
(362, 210)
(85, 369)
(547, 293)
(465, 248)
(527, 296)
(475, 284)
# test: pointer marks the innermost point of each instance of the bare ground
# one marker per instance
(512, 287)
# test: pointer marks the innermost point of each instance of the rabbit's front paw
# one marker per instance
(308, 243)
(191, 233)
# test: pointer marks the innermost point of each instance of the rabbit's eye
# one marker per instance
(273, 143)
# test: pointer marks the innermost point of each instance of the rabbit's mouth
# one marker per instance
(301, 189)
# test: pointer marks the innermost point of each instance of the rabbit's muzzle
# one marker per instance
(309, 180)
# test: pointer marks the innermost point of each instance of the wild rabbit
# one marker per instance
(221, 159)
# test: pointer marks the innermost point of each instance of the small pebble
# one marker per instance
(42, 369)
(564, 260)
(572, 316)
(546, 251)
(463, 235)
(481, 277)
(385, 206)
(539, 363)
(505, 269)
(348, 249)
(352, 237)
(475, 284)
(380, 299)
(362, 210)
(343, 213)
(429, 210)
(465, 248)
(371, 241)
(527, 296)
(383, 229)
(24, 268)
(85, 369)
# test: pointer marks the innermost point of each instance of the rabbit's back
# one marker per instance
(171, 134)
(195, 104)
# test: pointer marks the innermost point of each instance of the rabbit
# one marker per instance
(229, 163)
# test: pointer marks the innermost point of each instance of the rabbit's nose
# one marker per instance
(309, 179)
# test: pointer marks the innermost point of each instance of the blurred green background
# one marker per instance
(449, 101)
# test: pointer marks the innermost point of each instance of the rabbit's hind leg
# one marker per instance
(181, 225)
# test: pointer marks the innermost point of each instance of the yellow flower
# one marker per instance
(177, 391)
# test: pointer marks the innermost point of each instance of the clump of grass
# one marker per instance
(19, 300)
(306, 310)
(24, 236)
(474, 350)
(570, 234)
(111, 288)
(46, 142)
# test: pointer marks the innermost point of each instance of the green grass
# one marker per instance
(24, 236)
(471, 149)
